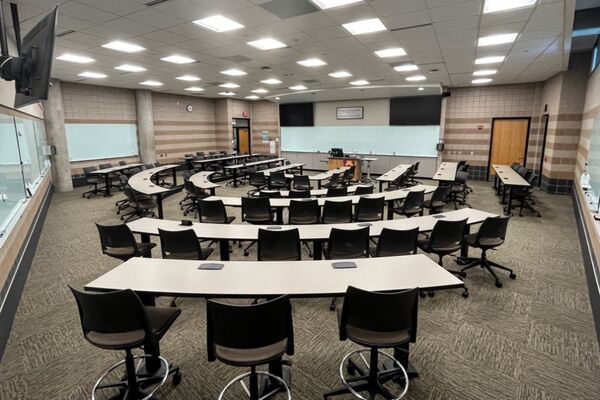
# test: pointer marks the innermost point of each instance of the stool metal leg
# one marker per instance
(240, 379)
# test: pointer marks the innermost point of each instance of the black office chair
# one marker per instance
(258, 180)
(398, 183)
(438, 200)
(113, 176)
(118, 321)
(117, 241)
(304, 212)
(334, 181)
(445, 238)
(345, 244)
(279, 245)
(412, 204)
(271, 194)
(256, 211)
(141, 205)
(299, 194)
(277, 180)
(195, 194)
(394, 242)
(249, 336)
(369, 209)
(459, 190)
(377, 321)
(514, 166)
(524, 198)
(214, 212)
(348, 175)
(337, 191)
(301, 182)
(412, 173)
(491, 234)
(182, 245)
(337, 212)
(92, 180)
(362, 189)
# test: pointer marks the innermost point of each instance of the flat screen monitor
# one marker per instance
(37, 52)
(337, 152)
(417, 110)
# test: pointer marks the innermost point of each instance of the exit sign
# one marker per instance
(245, 114)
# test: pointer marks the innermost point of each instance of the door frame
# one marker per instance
(547, 116)
(236, 133)
(489, 162)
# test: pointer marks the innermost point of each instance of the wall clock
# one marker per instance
(189, 108)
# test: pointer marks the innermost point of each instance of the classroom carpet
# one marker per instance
(532, 339)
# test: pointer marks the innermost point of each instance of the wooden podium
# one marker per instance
(335, 162)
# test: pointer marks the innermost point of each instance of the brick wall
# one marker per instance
(266, 118)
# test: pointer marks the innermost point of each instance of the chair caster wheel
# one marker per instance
(332, 307)
(462, 274)
(173, 304)
(512, 275)
(498, 284)
(422, 295)
(350, 369)
(246, 254)
(465, 294)
(431, 294)
(176, 378)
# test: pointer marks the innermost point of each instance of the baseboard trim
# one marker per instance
(19, 272)
(589, 261)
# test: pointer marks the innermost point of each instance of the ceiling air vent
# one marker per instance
(155, 2)
(65, 33)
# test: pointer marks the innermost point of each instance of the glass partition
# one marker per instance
(22, 163)
(593, 167)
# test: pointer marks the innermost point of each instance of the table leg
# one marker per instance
(279, 215)
(174, 176)
(380, 186)
(318, 184)
(464, 250)
(509, 209)
(107, 183)
(145, 238)
(301, 170)
(390, 209)
(212, 192)
(224, 249)
(160, 205)
(317, 250)
(234, 177)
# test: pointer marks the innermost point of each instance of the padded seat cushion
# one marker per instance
(304, 220)
(190, 255)
(248, 357)
(484, 242)
(377, 339)
(128, 252)
(423, 244)
(161, 319)
(117, 341)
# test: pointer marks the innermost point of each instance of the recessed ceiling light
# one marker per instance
(340, 74)
(75, 58)
(325, 4)
(298, 87)
(260, 90)
(497, 39)
(481, 80)
(194, 89)
(392, 52)
(95, 75)
(276, 98)
(188, 78)
(175, 59)
(489, 60)
(312, 62)
(234, 72)
(252, 97)
(229, 85)
(504, 5)
(406, 67)
(484, 72)
(130, 68)
(420, 89)
(123, 46)
(226, 93)
(151, 83)
(365, 26)
(360, 82)
(267, 44)
(218, 23)
(415, 78)
(271, 81)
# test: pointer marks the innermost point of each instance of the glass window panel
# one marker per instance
(28, 151)
(12, 191)
(40, 139)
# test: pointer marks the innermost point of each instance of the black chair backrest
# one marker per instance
(278, 177)
(514, 166)
(416, 168)
(116, 236)
(186, 175)
(212, 211)
(370, 206)
(271, 194)
(414, 199)
(299, 194)
(399, 181)
(200, 153)
(493, 228)
(349, 173)
(256, 207)
(304, 212)
(279, 245)
(337, 211)
(394, 242)
(440, 194)
(87, 170)
(121, 163)
(301, 182)
(249, 326)
(446, 233)
(348, 243)
(363, 190)
(113, 312)
(461, 177)
(528, 175)
(337, 191)
(174, 244)
(336, 178)
(258, 179)
(371, 311)
(105, 165)
(521, 170)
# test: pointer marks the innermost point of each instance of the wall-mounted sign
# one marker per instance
(265, 136)
(245, 114)
(349, 112)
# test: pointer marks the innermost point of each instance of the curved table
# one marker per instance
(280, 204)
(392, 174)
(202, 180)
(142, 183)
(326, 175)
(317, 233)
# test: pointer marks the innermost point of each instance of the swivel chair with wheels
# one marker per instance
(394, 242)
(369, 209)
(117, 241)
(256, 211)
(304, 212)
(412, 204)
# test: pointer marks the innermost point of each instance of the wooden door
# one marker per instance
(509, 141)
(243, 140)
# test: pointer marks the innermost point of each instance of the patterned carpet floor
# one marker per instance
(533, 339)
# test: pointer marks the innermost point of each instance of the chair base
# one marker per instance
(264, 384)
(488, 266)
(368, 380)
(143, 385)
